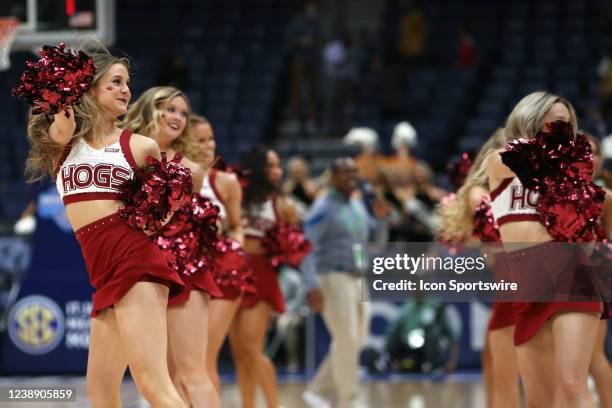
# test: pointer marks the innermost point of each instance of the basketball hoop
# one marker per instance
(8, 29)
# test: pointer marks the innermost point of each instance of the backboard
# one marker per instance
(55, 21)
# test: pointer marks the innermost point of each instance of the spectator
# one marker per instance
(467, 49)
(420, 202)
(304, 36)
(397, 179)
(341, 74)
(26, 225)
(412, 34)
(299, 186)
(399, 168)
(369, 161)
(397, 218)
(339, 228)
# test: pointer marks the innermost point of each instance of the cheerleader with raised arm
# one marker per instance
(554, 340)
(91, 158)
(600, 367)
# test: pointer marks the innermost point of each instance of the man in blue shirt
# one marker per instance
(339, 227)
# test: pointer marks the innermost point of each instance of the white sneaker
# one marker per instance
(314, 400)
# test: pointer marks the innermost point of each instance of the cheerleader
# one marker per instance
(91, 157)
(550, 337)
(262, 208)
(224, 190)
(458, 224)
(162, 113)
(600, 368)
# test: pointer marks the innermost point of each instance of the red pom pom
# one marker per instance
(232, 270)
(58, 80)
(570, 210)
(286, 244)
(205, 216)
(457, 171)
(156, 190)
(243, 175)
(219, 164)
(485, 228)
(560, 167)
(190, 236)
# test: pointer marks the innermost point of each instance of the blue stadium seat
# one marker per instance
(589, 125)
(252, 114)
(6, 171)
(515, 25)
(566, 72)
(527, 87)
(567, 89)
(545, 55)
(247, 133)
(575, 8)
(500, 91)
(514, 56)
(535, 73)
(418, 100)
(573, 24)
(221, 129)
(481, 127)
(368, 114)
(577, 55)
(438, 131)
(547, 25)
(220, 113)
(227, 98)
(492, 108)
(505, 73)
(470, 143)
(546, 8)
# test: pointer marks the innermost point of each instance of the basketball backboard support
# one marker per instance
(55, 21)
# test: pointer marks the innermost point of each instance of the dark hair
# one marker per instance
(339, 163)
(255, 161)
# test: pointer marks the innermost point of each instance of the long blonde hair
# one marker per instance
(527, 117)
(456, 215)
(88, 115)
(597, 153)
(194, 121)
(144, 115)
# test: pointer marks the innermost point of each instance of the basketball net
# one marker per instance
(8, 29)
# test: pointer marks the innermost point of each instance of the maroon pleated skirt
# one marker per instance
(117, 257)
